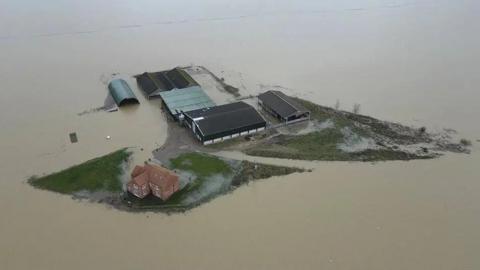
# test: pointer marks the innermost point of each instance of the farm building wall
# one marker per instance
(231, 136)
(240, 130)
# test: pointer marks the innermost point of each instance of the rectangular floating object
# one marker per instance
(73, 137)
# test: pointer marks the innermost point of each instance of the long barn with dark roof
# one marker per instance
(283, 107)
(153, 84)
(220, 123)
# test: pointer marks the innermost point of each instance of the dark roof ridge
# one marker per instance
(217, 115)
(212, 111)
(279, 95)
(214, 114)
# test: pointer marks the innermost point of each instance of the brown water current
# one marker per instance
(415, 62)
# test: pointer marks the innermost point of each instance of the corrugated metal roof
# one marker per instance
(180, 78)
(154, 82)
(226, 117)
(281, 103)
(186, 99)
(146, 83)
(121, 92)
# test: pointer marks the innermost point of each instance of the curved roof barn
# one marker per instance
(122, 93)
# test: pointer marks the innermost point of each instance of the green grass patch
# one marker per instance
(99, 174)
(324, 141)
(237, 173)
(200, 164)
(366, 126)
(203, 166)
(322, 145)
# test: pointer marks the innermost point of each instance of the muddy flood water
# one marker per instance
(415, 62)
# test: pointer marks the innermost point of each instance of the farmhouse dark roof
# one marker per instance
(224, 118)
(281, 103)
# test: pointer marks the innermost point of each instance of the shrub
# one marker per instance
(356, 108)
(337, 105)
(465, 142)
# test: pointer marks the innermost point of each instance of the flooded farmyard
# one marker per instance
(409, 62)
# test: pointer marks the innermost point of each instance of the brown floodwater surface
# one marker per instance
(415, 62)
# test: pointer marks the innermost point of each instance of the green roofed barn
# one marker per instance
(188, 99)
(121, 92)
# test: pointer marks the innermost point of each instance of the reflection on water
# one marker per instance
(414, 62)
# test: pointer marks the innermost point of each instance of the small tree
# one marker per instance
(465, 142)
(356, 108)
(337, 105)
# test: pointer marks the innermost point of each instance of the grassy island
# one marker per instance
(200, 164)
(208, 176)
(204, 176)
(99, 174)
(337, 135)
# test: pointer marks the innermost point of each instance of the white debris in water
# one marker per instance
(125, 175)
(185, 178)
(307, 127)
(314, 126)
(355, 143)
(416, 149)
(211, 185)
